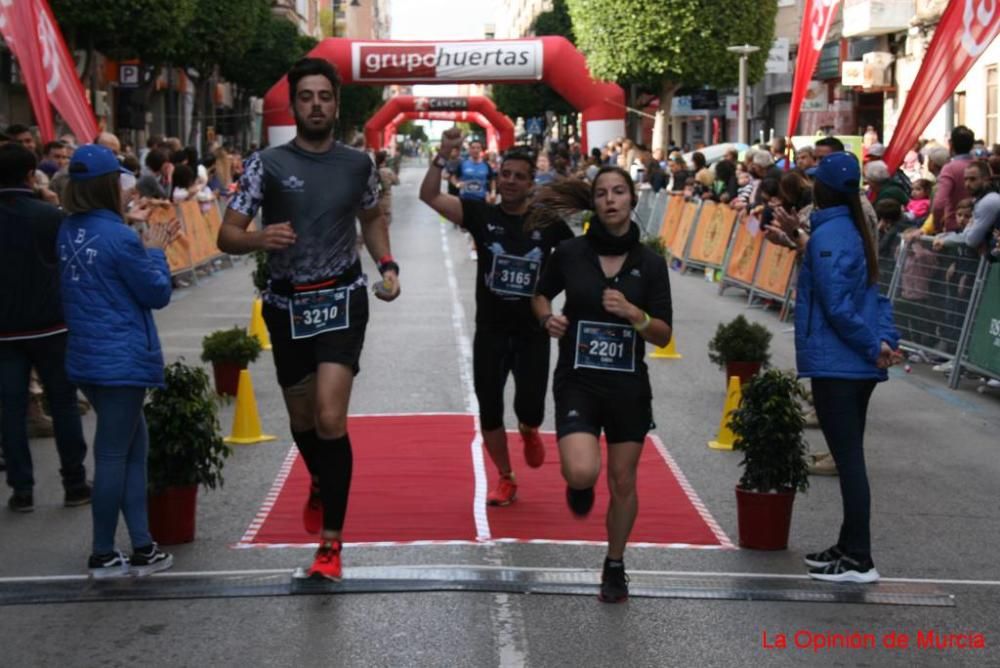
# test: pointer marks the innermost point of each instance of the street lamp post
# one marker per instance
(744, 51)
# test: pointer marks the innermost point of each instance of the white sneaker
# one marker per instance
(944, 367)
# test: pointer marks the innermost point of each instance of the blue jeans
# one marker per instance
(48, 356)
(842, 409)
(121, 445)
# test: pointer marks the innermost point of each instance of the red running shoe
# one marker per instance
(312, 512)
(534, 449)
(327, 562)
(504, 493)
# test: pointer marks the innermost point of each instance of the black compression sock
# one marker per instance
(308, 444)
(335, 464)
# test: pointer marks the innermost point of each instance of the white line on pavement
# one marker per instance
(360, 571)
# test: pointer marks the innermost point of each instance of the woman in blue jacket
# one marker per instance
(845, 341)
(109, 284)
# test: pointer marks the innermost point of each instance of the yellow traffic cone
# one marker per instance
(257, 326)
(725, 439)
(667, 353)
(246, 420)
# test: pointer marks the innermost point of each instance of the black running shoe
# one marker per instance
(824, 558)
(614, 583)
(149, 560)
(77, 496)
(110, 565)
(580, 501)
(847, 569)
(21, 502)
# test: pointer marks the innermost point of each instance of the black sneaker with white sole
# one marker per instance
(21, 502)
(149, 560)
(110, 565)
(824, 558)
(846, 569)
(77, 496)
(580, 501)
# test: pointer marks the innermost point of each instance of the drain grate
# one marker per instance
(415, 579)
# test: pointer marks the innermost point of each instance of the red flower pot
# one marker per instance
(764, 518)
(227, 377)
(745, 370)
(172, 515)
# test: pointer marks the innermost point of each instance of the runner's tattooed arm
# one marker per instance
(447, 205)
(375, 231)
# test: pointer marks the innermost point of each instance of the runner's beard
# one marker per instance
(310, 133)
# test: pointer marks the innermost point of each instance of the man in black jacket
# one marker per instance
(32, 333)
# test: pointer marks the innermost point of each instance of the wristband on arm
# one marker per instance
(387, 263)
(645, 322)
(440, 161)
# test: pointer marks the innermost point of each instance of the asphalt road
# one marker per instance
(934, 462)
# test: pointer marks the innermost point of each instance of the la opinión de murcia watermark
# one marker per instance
(827, 641)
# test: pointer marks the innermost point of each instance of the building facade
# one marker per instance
(514, 17)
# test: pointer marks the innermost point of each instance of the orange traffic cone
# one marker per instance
(669, 352)
(246, 420)
(725, 439)
(257, 326)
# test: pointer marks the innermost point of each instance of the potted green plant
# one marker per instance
(229, 351)
(655, 244)
(185, 450)
(767, 428)
(741, 348)
(261, 272)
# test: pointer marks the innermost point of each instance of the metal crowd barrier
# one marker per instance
(932, 295)
(946, 303)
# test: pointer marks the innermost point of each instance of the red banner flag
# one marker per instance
(62, 82)
(816, 19)
(18, 24)
(966, 28)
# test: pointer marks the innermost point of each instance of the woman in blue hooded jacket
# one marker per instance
(845, 341)
(110, 282)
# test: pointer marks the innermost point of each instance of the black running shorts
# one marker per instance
(623, 419)
(522, 352)
(295, 359)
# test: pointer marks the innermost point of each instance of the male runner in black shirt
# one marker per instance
(508, 338)
(316, 306)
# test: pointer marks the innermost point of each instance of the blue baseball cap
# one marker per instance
(840, 172)
(93, 160)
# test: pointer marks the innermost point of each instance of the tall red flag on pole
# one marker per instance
(61, 80)
(966, 28)
(18, 26)
(816, 19)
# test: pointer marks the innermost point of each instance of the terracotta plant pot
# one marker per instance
(227, 377)
(764, 519)
(745, 370)
(172, 515)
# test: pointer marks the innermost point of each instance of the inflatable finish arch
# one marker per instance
(553, 60)
(492, 136)
(406, 103)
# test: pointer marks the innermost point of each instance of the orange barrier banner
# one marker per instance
(680, 239)
(715, 227)
(179, 252)
(671, 218)
(202, 242)
(214, 218)
(746, 250)
(776, 265)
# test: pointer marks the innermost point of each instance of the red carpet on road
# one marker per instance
(414, 480)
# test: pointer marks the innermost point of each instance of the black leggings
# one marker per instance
(495, 354)
(841, 407)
